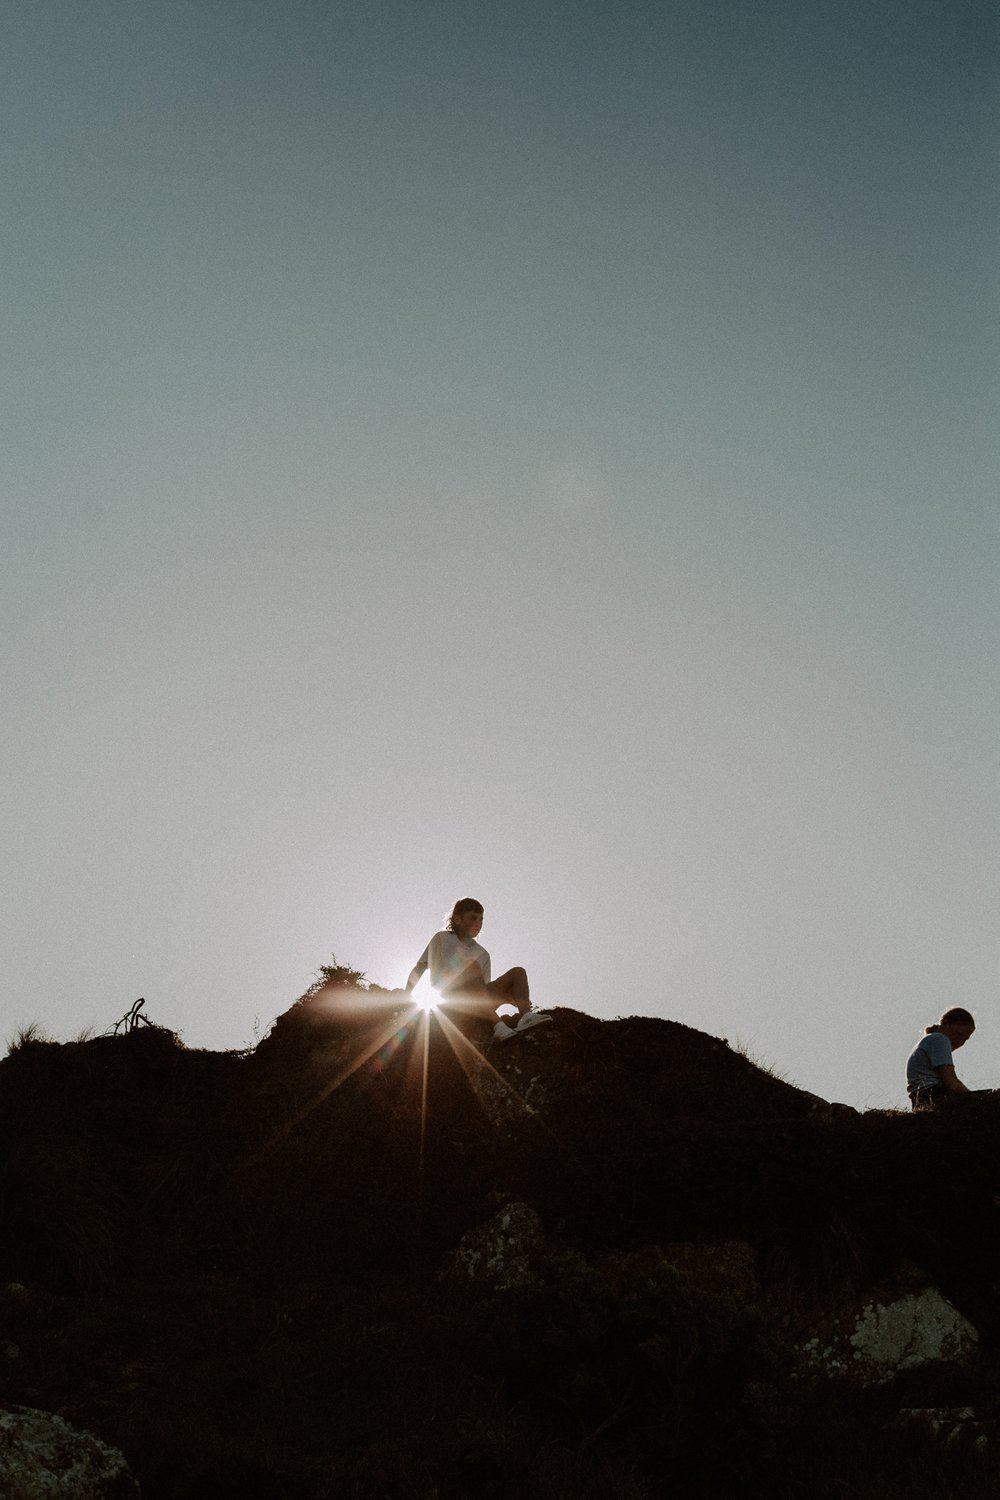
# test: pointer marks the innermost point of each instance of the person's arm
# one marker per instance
(949, 1079)
(420, 967)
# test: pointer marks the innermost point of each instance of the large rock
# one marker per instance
(500, 1253)
(510, 1251)
(42, 1456)
(911, 1332)
(886, 1336)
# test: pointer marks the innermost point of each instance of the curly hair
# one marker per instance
(460, 909)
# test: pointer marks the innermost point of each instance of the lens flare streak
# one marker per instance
(387, 1035)
(384, 1047)
(426, 1034)
(473, 1062)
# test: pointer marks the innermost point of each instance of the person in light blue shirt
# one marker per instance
(930, 1067)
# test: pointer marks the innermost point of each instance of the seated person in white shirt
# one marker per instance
(930, 1069)
(460, 973)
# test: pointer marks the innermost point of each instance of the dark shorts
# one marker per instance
(928, 1098)
(475, 991)
(472, 1008)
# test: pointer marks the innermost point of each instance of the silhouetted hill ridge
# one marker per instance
(283, 1219)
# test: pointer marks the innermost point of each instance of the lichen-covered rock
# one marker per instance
(508, 1098)
(913, 1331)
(501, 1252)
(42, 1456)
(518, 1080)
(886, 1337)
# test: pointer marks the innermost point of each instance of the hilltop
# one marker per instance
(606, 1260)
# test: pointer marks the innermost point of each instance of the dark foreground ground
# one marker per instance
(241, 1269)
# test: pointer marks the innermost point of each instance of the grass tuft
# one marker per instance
(28, 1036)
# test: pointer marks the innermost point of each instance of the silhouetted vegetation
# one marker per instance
(334, 976)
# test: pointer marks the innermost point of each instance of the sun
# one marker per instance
(424, 997)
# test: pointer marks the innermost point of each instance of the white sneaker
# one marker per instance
(532, 1018)
(502, 1032)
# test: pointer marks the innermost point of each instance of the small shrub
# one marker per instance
(334, 976)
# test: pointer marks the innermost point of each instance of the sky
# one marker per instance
(538, 451)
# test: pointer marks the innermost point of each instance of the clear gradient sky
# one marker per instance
(538, 451)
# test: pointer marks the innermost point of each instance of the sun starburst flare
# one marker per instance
(473, 1063)
(385, 1036)
(424, 1005)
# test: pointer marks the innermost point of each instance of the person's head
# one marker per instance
(466, 918)
(958, 1024)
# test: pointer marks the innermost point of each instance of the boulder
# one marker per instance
(911, 1332)
(888, 1335)
(42, 1456)
(501, 1252)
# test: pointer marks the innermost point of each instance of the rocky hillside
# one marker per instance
(606, 1259)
